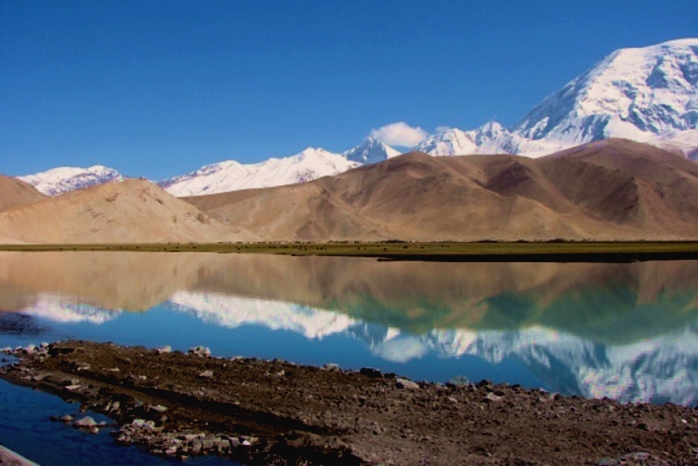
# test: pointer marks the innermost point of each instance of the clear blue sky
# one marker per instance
(159, 88)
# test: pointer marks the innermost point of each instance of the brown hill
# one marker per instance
(614, 189)
(14, 192)
(132, 211)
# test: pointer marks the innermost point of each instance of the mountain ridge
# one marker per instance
(648, 94)
(610, 189)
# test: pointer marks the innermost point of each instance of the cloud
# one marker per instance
(399, 134)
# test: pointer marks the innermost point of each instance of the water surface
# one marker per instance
(625, 331)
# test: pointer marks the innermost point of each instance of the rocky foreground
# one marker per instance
(275, 412)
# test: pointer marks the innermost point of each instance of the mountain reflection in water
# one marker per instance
(626, 331)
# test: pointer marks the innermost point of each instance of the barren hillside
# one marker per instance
(614, 189)
(132, 211)
(14, 192)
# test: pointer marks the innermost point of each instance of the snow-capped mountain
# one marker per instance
(231, 175)
(491, 138)
(635, 93)
(370, 151)
(645, 94)
(64, 179)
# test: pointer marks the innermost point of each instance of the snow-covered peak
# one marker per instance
(645, 94)
(635, 93)
(451, 141)
(230, 175)
(490, 138)
(370, 151)
(64, 179)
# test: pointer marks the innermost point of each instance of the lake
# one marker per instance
(623, 331)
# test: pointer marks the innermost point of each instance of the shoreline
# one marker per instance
(276, 412)
(11, 458)
(485, 251)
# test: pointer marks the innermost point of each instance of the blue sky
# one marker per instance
(160, 88)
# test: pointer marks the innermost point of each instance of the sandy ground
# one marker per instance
(275, 412)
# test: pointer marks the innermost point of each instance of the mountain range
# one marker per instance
(645, 94)
(593, 186)
(612, 189)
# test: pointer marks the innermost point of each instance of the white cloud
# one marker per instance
(399, 134)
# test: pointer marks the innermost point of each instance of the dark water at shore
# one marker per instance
(626, 331)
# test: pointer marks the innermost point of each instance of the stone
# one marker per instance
(370, 372)
(67, 418)
(206, 374)
(200, 351)
(223, 444)
(408, 384)
(86, 421)
(163, 349)
(607, 462)
(159, 408)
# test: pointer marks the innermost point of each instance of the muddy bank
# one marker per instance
(274, 412)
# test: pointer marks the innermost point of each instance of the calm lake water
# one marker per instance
(624, 331)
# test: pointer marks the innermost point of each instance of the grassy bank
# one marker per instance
(442, 251)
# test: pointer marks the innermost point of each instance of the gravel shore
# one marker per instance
(275, 412)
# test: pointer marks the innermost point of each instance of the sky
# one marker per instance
(160, 88)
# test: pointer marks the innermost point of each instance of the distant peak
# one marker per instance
(492, 126)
